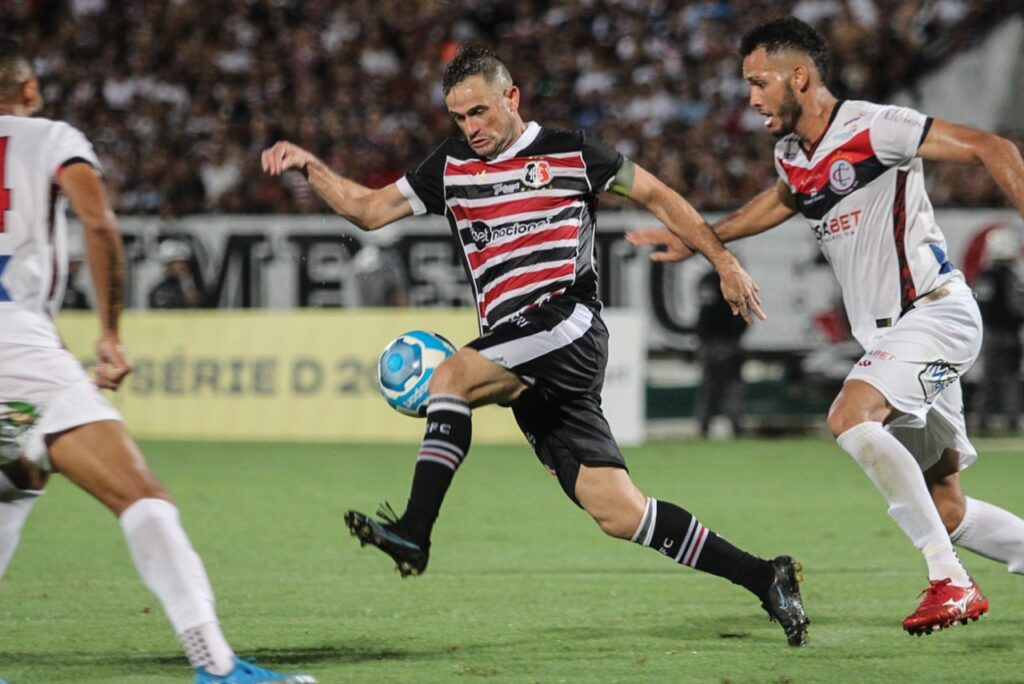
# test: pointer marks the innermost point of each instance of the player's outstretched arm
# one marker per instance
(668, 206)
(366, 208)
(766, 210)
(84, 189)
(961, 144)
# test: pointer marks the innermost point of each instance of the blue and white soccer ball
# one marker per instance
(406, 366)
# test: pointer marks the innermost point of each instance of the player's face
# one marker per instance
(771, 93)
(486, 114)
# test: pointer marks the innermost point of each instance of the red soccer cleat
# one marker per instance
(945, 604)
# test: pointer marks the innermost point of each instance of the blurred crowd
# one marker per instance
(180, 97)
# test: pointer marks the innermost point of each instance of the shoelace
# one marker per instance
(933, 589)
(387, 513)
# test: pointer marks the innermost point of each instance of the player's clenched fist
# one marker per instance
(283, 156)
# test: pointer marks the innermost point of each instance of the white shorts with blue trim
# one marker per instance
(917, 365)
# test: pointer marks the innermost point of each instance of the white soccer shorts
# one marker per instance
(55, 383)
(917, 366)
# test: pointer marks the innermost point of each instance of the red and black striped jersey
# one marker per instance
(861, 188)
(524, 219)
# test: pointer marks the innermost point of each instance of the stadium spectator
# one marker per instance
(543, 347)
(1000, 291)
(150, 105)
(853, 169)
(721, 357)
(53, 418)
(378, 277)
(178, 288)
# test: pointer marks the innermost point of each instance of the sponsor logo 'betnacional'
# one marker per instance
(484, 234)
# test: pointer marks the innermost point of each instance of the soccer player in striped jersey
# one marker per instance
(53, 418)
(521, 201)
(854, 171)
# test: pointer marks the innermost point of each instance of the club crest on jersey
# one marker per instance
(537, 174)
(842, 176)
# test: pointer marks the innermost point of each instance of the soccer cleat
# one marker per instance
(783, 603)
(945, 604)
(246, 672)
(410, 557)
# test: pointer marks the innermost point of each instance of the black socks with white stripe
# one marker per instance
(672, 531)
(445, 444)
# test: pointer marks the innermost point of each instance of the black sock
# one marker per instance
(445, 444)
(674, 532)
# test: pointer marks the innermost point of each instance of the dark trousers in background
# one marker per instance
(721, 384)
(1000, 392)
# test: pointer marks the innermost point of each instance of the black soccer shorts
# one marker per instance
(559, 349)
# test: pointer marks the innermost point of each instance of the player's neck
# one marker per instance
(815, 118)
(8, 109)
(517, 132)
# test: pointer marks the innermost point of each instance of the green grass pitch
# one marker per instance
(521, 587)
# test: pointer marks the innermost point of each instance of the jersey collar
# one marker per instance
(524, 140)
(828, 126)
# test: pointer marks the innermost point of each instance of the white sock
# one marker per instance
(898, 477)
(992, 532)
(13, 515)
(174, 572)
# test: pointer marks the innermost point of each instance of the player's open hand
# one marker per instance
(283, 156)
(112, 362)
(740, 291)
(674, 250)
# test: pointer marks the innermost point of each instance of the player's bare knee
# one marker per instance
(842, 417)
(617, 517)
(449, 377)
(618, 524)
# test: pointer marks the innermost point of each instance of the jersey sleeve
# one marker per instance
(424, 187)
(602, 160)
(67, 145)
(897, 133)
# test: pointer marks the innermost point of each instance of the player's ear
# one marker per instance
(31, 94)
(801, 78)
(511, 96)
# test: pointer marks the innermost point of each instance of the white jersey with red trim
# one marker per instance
(861, 187)
(33, 232)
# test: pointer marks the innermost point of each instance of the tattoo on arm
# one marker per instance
(115, 282)
(622, 184)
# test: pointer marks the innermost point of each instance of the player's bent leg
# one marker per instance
(608, 494)
(104, 460)
(976, 525)
(855, 419)
(462, 381)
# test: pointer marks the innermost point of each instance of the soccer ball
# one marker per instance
(405, 367)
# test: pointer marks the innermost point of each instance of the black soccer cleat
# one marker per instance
(783, 603)
(388, 536)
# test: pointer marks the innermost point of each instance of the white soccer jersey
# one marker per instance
(33, 231)
(861, 187)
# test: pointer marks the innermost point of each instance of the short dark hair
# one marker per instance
(472, 60)
(788, 33)
(15, 67)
